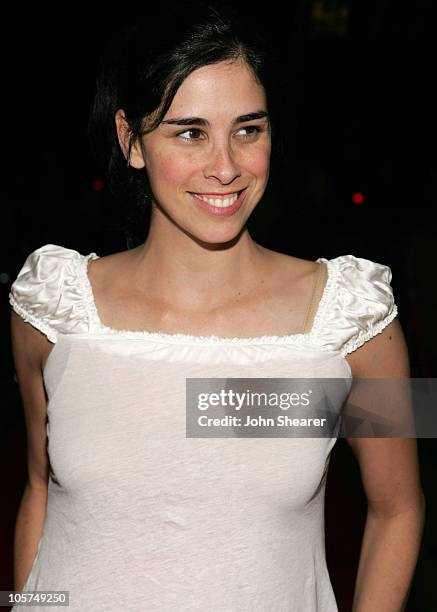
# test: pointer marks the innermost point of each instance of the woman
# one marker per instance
(124, 510)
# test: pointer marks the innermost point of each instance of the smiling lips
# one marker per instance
(220, 201)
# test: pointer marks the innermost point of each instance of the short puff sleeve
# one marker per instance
(48, 293)
(359, 305)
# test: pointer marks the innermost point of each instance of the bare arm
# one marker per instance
(390, 474)
(30, 348)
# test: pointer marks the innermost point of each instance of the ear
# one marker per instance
(135, 156)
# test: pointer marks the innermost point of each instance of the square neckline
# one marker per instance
(183, 338)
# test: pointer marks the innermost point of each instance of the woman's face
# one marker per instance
(198, 169)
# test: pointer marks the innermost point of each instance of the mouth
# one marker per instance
(225, 200)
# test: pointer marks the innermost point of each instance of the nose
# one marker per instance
(222, 165)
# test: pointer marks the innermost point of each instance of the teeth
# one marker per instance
(218, 202)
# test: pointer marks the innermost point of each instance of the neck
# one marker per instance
(190, 273)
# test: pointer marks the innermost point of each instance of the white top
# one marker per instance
(140, 517)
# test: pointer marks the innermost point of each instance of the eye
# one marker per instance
(196, 132)
(256, 131)
(192, 130)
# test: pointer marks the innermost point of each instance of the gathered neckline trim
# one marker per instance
(95, 323)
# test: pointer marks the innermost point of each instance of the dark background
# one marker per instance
(358, 117)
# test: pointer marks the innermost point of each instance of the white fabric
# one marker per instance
(140, 517)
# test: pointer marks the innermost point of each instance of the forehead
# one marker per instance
(225, 87)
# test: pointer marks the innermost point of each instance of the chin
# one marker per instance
(217, 237)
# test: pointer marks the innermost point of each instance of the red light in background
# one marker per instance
(97, 185)
(358, 198)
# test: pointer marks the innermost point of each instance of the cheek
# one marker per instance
(258, 162)
(171, 170)
(168, 170)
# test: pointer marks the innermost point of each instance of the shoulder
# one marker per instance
(288, 269)
(48, 293)
(358, 303)
(112, 270)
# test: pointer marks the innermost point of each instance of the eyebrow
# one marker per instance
(200, 121)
